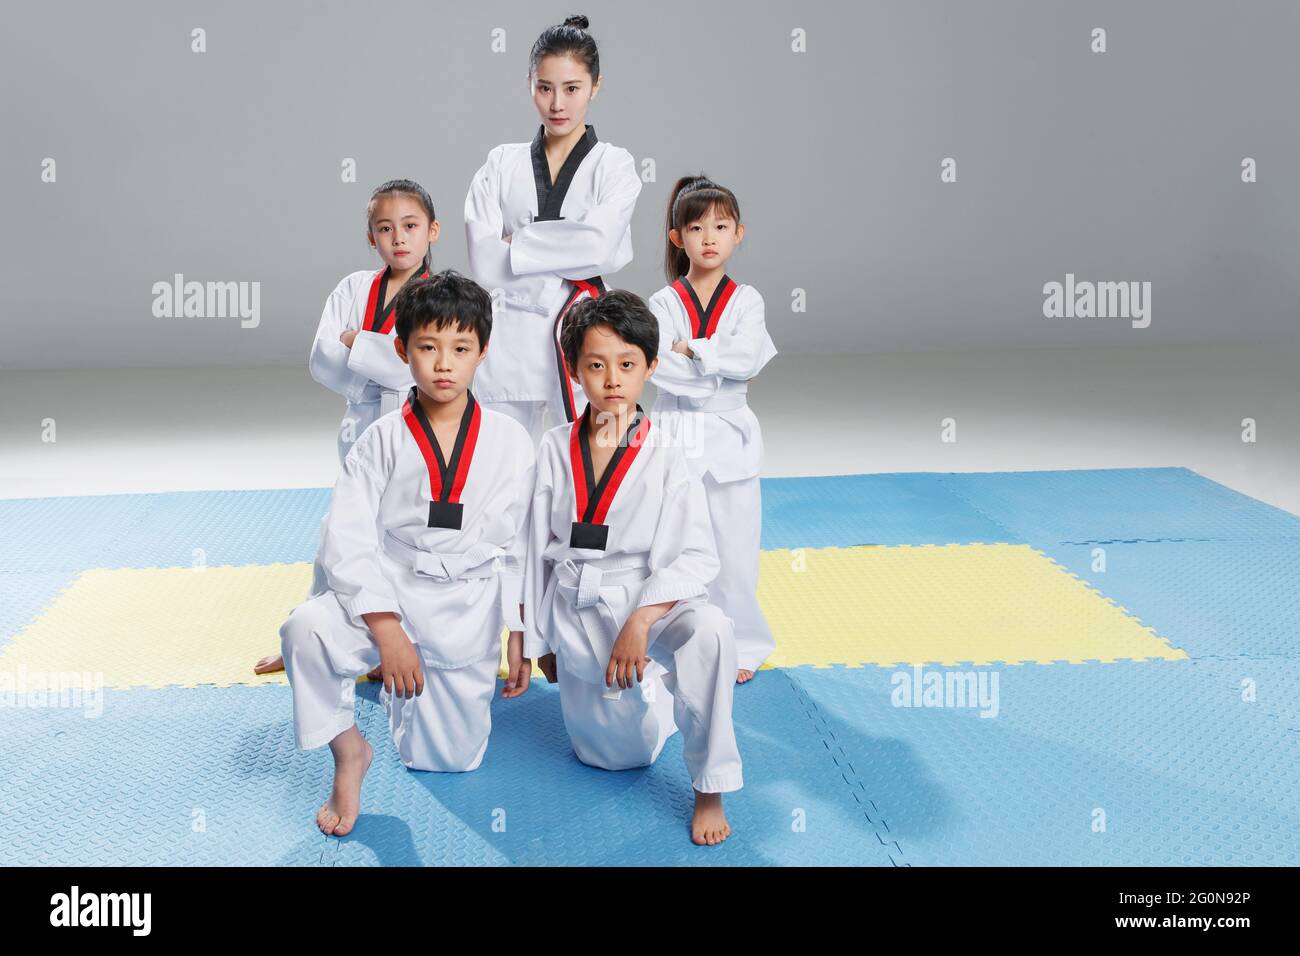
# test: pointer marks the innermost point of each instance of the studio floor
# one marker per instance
(1129, 637)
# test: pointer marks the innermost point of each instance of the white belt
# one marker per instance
(481, 561)
(587, 586)
(373, 393)
(725, 402)
(390, 400)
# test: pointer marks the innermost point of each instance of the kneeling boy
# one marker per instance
(423, 552)
(620, 558)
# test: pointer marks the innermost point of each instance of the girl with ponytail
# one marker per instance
(354, 353)
(712, 341)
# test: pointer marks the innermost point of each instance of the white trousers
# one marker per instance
(319, 583)
(445, 728)
(693, 642)
(736, 509)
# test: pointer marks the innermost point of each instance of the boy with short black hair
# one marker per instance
(423, 552)
(620, 558)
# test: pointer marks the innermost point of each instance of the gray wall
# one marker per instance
(225, 166)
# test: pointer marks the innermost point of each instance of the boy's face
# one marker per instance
(443, 361)
(613, 372)
(710, 240)
(400, 231)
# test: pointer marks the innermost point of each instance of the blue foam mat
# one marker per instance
(1211, 598)
(1118, 504)
(849, 510)
(161, 530)
(263, 527)
(1185, 772)
(24, 595)
(125, 788)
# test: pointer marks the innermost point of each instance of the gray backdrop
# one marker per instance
(224, 166)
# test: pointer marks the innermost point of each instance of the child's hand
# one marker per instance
(684, 348)
(348, 337)
(400, 663)
(628, 657)
(546, 664)
(519, 669)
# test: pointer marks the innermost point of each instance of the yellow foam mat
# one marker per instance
(156, 627)
(942, 604)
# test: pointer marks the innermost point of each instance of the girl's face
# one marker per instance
(561, 89)
(710, 240)
(400, 231)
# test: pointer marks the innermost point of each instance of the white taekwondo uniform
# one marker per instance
(563, 237)
(599, 550)
(370, 375)
(441, 542)
(702, 403)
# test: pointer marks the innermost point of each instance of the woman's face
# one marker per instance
(561, 89)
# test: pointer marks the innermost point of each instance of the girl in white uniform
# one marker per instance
(620, 557)
(353, 353)
(544, 222)
(423, 551)
(712, 342)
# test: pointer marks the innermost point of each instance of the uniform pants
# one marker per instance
(693, 642)
(445, 728)
(735, 509)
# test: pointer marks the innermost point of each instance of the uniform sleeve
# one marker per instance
(329, 356)
(596, 244)
(535, 570)
(489, 253)
(374, 356)
(742, 349)
(683, 556)
(512, 579)
(350, 545)
(675, 373)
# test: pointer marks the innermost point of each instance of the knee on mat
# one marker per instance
(711, 628)
(460, 757)
(304, 622)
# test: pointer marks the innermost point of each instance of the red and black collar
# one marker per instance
(593, 498)
(381, 318)
(704, 321)
(446, 476)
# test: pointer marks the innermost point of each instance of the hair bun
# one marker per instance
(577, 20)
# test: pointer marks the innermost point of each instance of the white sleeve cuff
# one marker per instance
(661, 589)
(368, 602)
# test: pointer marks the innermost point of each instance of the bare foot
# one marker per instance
(352, 755)
(709, 824)
(269, 664)
(743, 676)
